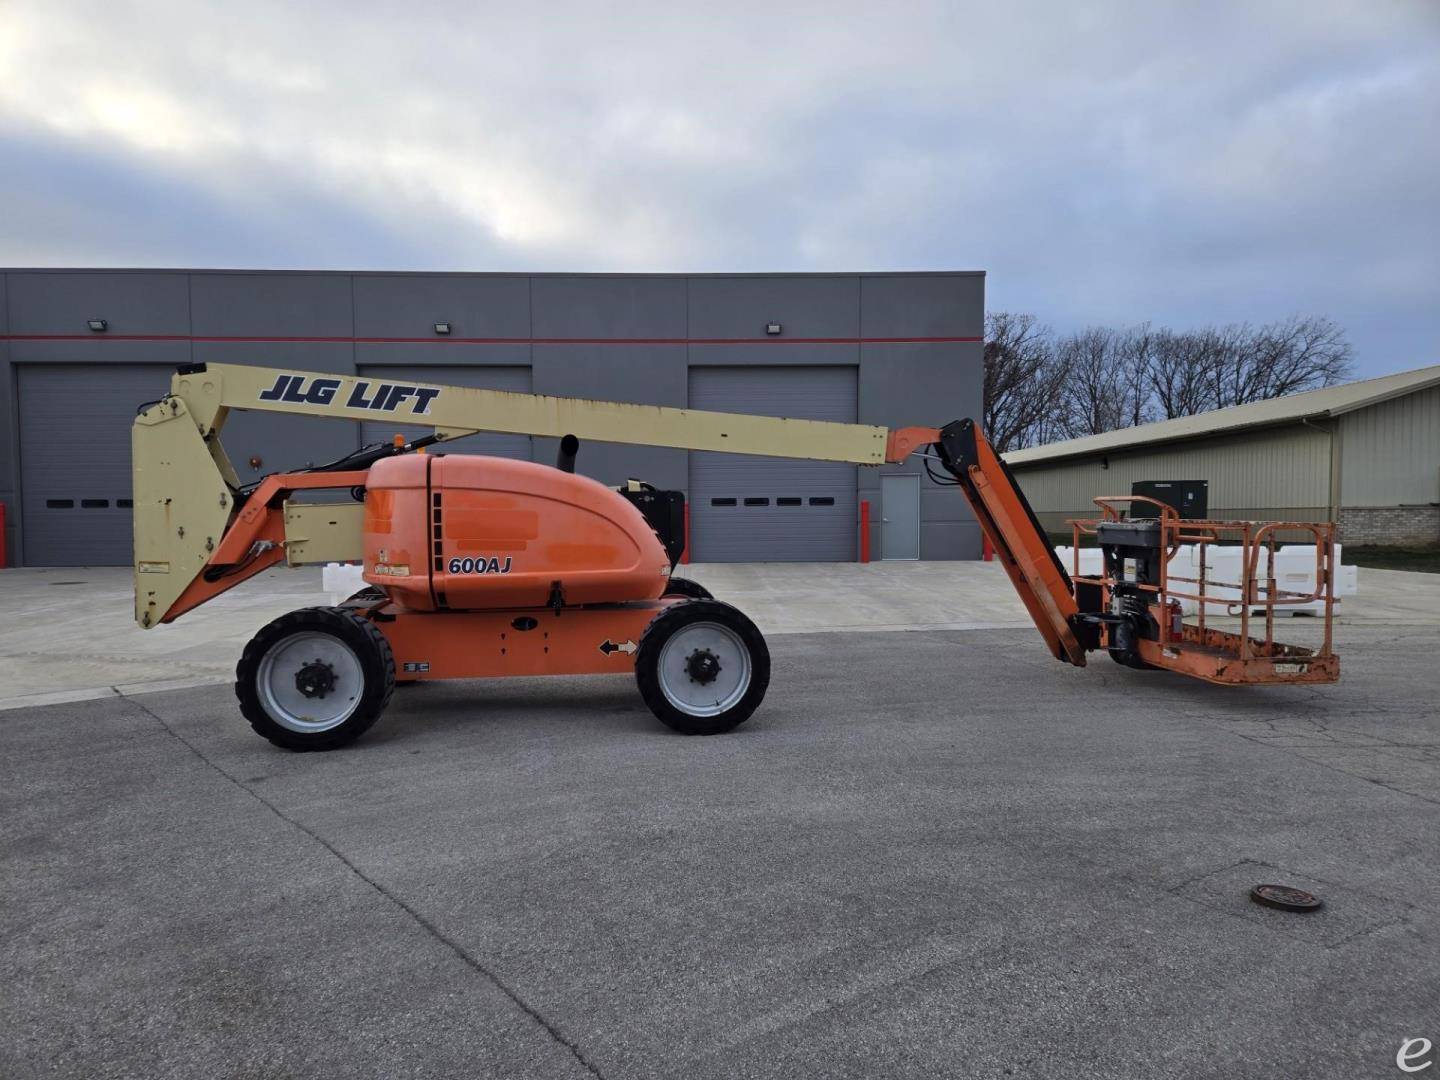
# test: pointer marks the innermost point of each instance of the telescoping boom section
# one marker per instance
(492, 545)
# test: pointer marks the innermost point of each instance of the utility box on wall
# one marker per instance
(1189, 498)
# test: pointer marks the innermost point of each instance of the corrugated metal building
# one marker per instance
(80, 349)
(1365, 454)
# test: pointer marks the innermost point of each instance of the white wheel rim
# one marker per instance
(283, 699)
(729, 685)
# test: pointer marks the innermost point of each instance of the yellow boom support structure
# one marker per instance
(185, 485)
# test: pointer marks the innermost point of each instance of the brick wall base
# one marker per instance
(1390, 525)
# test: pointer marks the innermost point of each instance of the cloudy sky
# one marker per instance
(1106, 161)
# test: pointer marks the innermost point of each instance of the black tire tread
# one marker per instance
(336, 620)
(647, 666)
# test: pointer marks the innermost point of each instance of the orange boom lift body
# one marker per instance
(484, 567)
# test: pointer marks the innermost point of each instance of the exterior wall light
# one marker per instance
(98, 325)
(772, 328)
(442, 328)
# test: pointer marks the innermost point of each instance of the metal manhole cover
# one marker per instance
(1285, 898)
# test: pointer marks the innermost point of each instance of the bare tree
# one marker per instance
(1214, 367)
(1039, 388)
(1134, 356)
(1021, 379)
(1283, 358)
(1093, 385)
(1184, 369)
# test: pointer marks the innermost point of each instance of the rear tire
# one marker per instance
(702, 667)
(315, 679)
(691, 590)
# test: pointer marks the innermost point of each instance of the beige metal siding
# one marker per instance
(1391, 454)
(1277, 473)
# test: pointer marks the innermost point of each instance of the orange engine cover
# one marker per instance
(473, 532)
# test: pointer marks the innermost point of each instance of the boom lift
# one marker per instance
(487, 567)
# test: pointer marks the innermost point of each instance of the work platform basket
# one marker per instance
(1196, 646)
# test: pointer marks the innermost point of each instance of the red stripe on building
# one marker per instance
(103, 336)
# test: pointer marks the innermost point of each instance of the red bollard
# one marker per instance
(685, 551)
(864, 530)
(987, 549)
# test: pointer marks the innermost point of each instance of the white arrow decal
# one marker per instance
(607, 646)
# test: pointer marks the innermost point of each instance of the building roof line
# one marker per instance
(1330, 401)
(450, 340)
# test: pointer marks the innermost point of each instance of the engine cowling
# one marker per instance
(475, 532)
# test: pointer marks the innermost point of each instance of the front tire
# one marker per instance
(702, 667)
(315, 679)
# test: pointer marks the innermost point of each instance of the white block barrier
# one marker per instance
(1294, 572)
(1090, 563)
(341, 581)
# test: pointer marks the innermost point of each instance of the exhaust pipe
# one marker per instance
(565, 460)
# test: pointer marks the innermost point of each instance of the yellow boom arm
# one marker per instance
(192, 541)
(186, 487)
(455, 411)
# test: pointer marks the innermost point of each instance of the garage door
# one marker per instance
(515, 379)
(75, 459)
(755, 509)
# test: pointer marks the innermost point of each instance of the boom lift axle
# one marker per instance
(488, 567)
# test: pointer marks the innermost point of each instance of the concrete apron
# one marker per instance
(66, 634)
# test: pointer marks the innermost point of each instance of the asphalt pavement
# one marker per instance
(933, 853)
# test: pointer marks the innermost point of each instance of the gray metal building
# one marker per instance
(80, 349)
(1365, 455)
